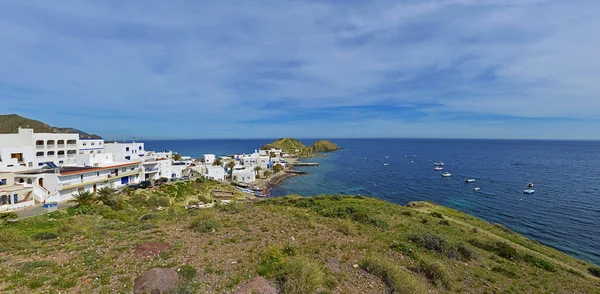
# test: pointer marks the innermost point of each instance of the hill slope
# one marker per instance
(289, 145)
(325, 244)
(9, 123)
(324, 146)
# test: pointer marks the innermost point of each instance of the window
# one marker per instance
(39, 153)
(16, 197)
(128, 157)
(84, 144)
(50, 153)
(139, 147)
(97, 174)
(60, 161)
(93, 144)
(29, 181)
(2, 182)
(21, 181)
(81, 177)
(40, 164)
(126, 148)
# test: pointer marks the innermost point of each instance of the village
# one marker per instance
(51, 168)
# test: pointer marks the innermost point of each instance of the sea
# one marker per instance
(564, 211)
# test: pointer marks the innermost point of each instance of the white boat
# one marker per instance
(437, 168)
(386, 164)
(530, 185)
(476, 189)
(438, 164)
(446, 174)
(528, 191)
(470, 181)
(387, 157)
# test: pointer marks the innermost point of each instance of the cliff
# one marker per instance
(9, 123)
(325, 244)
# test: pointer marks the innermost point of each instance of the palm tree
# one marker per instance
(230, 165)
(277, 168)
(84, 198)
(107, 196)
(176, 157)
(257, 169)
(217, 162)
(267, 173)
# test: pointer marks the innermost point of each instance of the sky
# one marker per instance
(308, 69)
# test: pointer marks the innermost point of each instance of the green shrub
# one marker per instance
(300, 276)
(369, 219)
(400, 281)
(147, 217)
(504, 272)
(444, 222)
(206, 221)
(435, 272)
(289, 250)
(8, 215)
(44, 236)
(407, 213)
(595, 271)
(346, 229)
(402, 248)
(437, 214)
(31, 265)
(270, 262)
(83, 209)
(187, 272)
(538, 262)
(430, 241)
(466, 253)
(12, 238)
(501, 249)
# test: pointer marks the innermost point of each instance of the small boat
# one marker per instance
(446, 174)
(437, 168)
(406, 156)
(528, 191)
(387, 157)
(438, 164)
(476, 189)
(412, 161)
(530, 185)
(258, 194)
(470, 181)
(386, 164)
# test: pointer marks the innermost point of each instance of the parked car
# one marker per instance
(141, 185)
(173, 179)
(185, 178)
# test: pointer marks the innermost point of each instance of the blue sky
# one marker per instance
(247, 69)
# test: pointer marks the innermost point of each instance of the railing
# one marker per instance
(40, 192)
(39, 146)
(72, 145)
(60, 145)
(50, 146)
(151, 169)
(71, 155)
(61, 156)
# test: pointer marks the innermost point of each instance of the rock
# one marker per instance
(324, 146)
(258, 285)
(332, 264)
(156, 281)
(149, 249)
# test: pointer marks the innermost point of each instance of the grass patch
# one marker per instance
(300, 275)
(439, 244)
(504, 272)
(30, 265)
(436, 214)
(206, 222)
(435, 272)
(187, 272)
(44, 236)
(346, 229)
(403, 248)
(595, 271)
(538, 262)
(399, 281)
(501, 249)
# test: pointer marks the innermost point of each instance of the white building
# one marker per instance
(243, 174)
(264, 161)
(59, 148)
(91, 146)
(62, 183)
(215, 172)
(94, 159)
(123, 152)
(14, 196)
(209, 158)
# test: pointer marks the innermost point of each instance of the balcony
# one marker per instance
(50, 146)
(151, 169)
(60, 146)
(39, 147)
(61, 156)
(72, 145)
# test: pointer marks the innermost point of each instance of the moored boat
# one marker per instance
(386, 164)
(437, 168)
(470, 181)
(446, 174)
(438, 164)
(476, 189)
(528, 191)
(530, 185)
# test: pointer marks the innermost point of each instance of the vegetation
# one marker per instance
(176, 157)
(290, 146)
(324, 146)
(217, 162)
(9, 123)
(277, 168)
(595, 271)
(324, 244)
(84, 198)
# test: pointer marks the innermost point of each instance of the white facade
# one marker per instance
(91, 146)
(94, 159)
(244, 175)
(62, 184)
(263, 161)
(59, 148)
(215, 172)
(209, 158)
(177, 169)
(16, 158)
(124, 152)
(12, 195)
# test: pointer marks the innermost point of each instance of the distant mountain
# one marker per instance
(9, 124)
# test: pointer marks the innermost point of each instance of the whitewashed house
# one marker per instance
(215, 172)
(91, 146)
(14, 195)
(123, 152)
(209, 158)
(244, 174)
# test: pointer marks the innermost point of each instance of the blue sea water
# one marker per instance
(563, 213)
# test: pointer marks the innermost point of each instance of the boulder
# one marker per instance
(156, 281)
(150, 249)
(258, 285)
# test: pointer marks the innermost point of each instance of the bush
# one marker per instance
(435, 272)
(466, 253)
(270, 262)
(44, 236)
(300, 276)
(206, 221)
(538, 262)
(504, 272)
(595, 271)
(437, 214)
(187, 272)
(407, 213)
(501, 249)
(402, 248)
(83, 209)
(430, 241)
(369, 219)
(11, 238)
(346, 229)
(444, 222)
(400, 281)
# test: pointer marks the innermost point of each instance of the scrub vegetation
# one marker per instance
(324, 244)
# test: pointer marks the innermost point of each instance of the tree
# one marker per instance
(257, 169)
(217, 162)
(176, 157)
(107, 196)
(84, 198)
(230, 165)
(267, 173)
(277, 168)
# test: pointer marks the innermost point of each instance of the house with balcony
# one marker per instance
(14, 195)
(243, 174)
(125, 151)
(60, 184)
(59, 148)
(91, 146)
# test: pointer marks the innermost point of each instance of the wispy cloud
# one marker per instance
(275, 68)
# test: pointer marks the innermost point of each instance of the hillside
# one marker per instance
(9, 123)
(289, 145)
(325, 244)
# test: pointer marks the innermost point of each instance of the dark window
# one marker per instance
(128, 157)
(126, 148)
